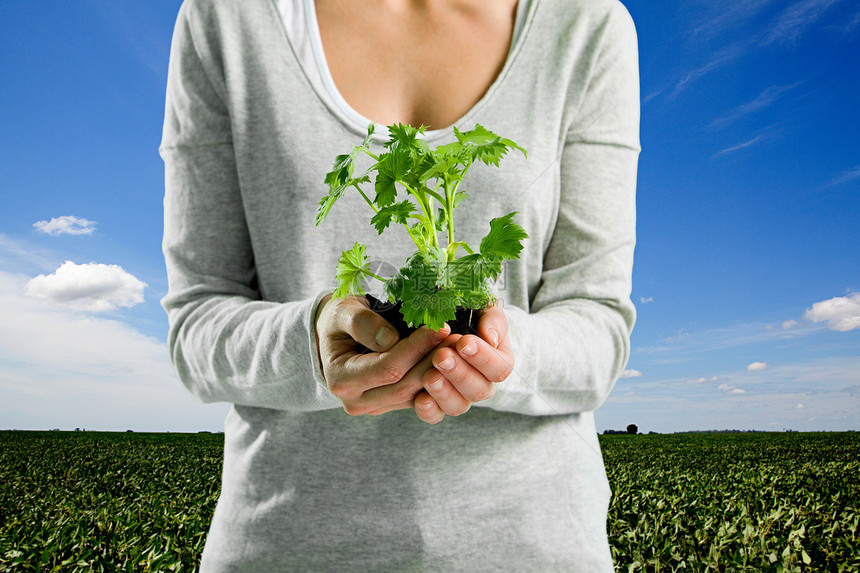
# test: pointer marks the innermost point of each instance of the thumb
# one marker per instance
(352, 317)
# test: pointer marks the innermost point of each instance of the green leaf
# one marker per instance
(341, 171)
(504, 239)
(351, 268)
(335, 193)
(432, 309)
(415, 286)
(440, 219)
(405, 136)
(477, 135)
(436, 167)
(386, 191)
(470, 272)
(477, 299)
(392, 166)
(485, 145)
(419, 233)
(371, 128)
(397, 213)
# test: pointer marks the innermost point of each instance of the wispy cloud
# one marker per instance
(135, 28)
(785, 29)
(846, 176)
(25, 256)
(66, 225)
(703, 342)
(846, 27)
(718, 60)
(748, 143)
(764, 99)
(730, 15)
(796, 19)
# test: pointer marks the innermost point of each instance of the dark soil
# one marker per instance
(466, 321)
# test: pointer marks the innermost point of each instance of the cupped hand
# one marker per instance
(389, 377)
(466, 369)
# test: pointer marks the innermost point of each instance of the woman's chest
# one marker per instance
(420, 64)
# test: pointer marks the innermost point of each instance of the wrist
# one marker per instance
(319, 311)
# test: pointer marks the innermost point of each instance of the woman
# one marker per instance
(261, 97)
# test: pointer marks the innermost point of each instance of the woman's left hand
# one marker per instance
(468, 370)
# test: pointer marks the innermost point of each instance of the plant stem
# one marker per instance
(449, 210)
(367, 151)
(366, 198)
(377, 277)
(428, 214)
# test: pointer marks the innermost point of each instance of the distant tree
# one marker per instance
(632, 429)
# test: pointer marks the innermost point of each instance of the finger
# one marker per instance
(402, 406)
(352, 317)
(427, 409)
(469, 382)
(447, 398)
(495, 364)
(391, 367)
(493, 325)
(370, 382)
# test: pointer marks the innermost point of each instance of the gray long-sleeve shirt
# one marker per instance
(517, 483)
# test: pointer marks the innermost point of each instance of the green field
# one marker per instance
(86, 501)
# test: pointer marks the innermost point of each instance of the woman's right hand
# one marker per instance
(389, 377)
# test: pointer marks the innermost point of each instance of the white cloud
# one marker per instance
(645, 300)
(757, 366)
(631, 374)
(92, 287)
(799, 406)
(702, 380)
(828, 387)
(842, 313)
(66, 225)
(63, 369)
(729, 389)
(789, 324)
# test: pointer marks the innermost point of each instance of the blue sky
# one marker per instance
(747, 275)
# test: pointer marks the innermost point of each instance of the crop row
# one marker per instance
(86, 501)
(727, 502)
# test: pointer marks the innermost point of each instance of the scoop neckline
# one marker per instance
(356, 122)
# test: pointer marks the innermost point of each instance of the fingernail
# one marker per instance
(425, 405)
(385, 336)
(494, 337)
(435, 384)
(446, 364)
(440, 335)
(470, 349)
